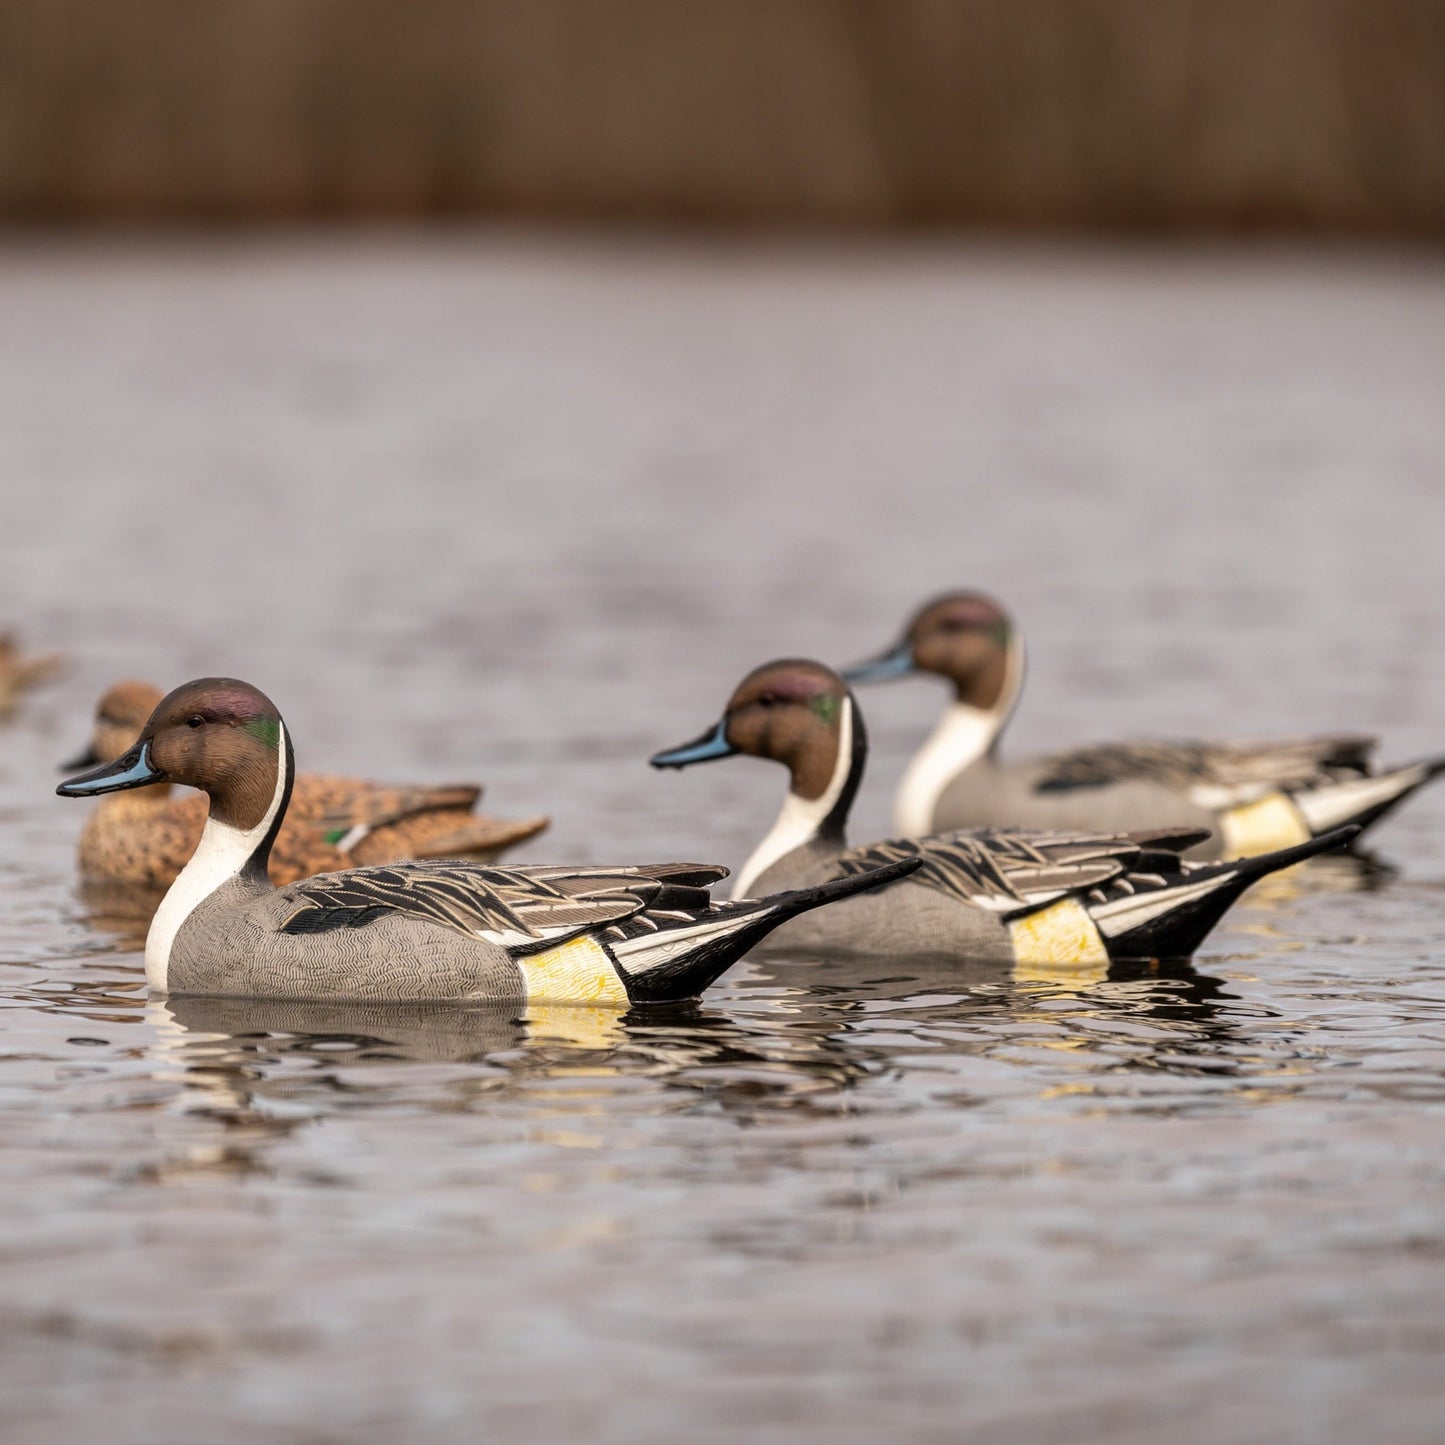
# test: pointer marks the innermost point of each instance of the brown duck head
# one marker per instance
(119, 717)
(217, 734)
(963, 636)
(800, 714)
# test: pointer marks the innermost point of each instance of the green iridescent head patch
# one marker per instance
(826, 706)
(265, 730)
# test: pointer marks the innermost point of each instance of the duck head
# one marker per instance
(969, 639)
(963, 636)
(800, 714)
(217, 734)
(119, 717)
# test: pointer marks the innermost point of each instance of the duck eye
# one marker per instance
(767, 700)
(195, 720)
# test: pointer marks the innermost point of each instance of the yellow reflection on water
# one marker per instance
(584, 1027)
(1062, 975)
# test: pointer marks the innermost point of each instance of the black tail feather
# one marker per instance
(1179, 931)
(692, 970)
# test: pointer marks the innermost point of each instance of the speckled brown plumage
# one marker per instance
(19, 673)
(145, 837)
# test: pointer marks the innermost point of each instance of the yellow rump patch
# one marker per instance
(1062, 933)
(578, 971)
(1261, 827)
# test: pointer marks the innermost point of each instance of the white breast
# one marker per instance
(964, 734)
(220, 855)
(800, 818)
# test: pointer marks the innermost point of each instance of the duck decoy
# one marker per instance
(1007, 895)
(19, 673)
(409, 931)
(1252, 796)
(146, 837)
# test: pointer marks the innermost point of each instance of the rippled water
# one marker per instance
(524, 510)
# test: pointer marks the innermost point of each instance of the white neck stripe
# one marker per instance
(964, 735)
(800, 818)
(220, 855)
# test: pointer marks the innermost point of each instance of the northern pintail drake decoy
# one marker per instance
(19, 673)
(1252, 796)
(146, 837)
(410, 931)
(996, 894)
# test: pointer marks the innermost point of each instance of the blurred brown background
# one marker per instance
(1314, 115)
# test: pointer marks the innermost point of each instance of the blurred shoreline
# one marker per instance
(807, 242)
(1297, 116)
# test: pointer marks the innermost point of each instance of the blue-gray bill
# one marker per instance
(131, 769)
(896, 663)
(711, 745)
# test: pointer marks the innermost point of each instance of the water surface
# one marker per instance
(524, 511)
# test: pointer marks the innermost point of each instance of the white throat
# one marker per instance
(964, 735)
(800, 818)
(220, 855)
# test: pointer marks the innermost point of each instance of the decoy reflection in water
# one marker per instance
(146, 836)
(229, 1052)
(1009, 894)
(414, 931)
(1254, 797)
(260, 1069)
(1161, 1015)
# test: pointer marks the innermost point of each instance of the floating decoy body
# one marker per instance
(19, 673)
(146, 837)
(1007, 895)
(409, 931)
(1253, 796)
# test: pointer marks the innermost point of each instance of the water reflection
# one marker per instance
(246, 1059)
(1164, 1016)
(123, 910)
(782, 1038)
(796, 1035)
(785, 1036)
(365, 1032)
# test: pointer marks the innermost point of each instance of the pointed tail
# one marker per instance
(1366, 800)
(1172, 921)
(680, 962)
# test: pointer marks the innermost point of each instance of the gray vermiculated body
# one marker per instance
(232, 944)
(904, 919)
(1005, 795)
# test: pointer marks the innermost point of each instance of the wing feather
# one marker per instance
(522, 905)
(1007, 871)
(1230, 768)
